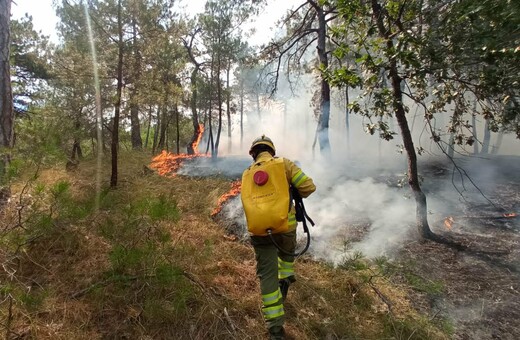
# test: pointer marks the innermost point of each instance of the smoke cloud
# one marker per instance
(363, 202)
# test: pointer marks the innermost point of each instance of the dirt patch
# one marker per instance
(481, 285)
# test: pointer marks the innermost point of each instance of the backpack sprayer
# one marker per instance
(301, 216)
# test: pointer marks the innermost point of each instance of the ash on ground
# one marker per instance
(480, 294)
(230, 167)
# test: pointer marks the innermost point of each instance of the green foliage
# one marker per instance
(29, 62)
(421, 284)
(32, 300)
(407, 328)
(158, 208)
(447, 57)
(136, 259)
(41, 140)
(354, 261)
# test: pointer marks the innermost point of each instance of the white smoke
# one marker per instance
(363, 202)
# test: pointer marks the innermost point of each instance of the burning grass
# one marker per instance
(236, 186)
(152, 263)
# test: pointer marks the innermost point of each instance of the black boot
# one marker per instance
(284, 287)
(276, 333)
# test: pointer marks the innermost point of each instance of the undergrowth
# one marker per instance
(145, 260)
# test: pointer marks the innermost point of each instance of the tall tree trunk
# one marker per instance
(194, 115)
(156, 130)
(474, 132)
(6, 95)
(149, 127)
(241, 113)
(194, 95)
(347, 119)
(258, 106)
(165, 120)
(210, 107)
(137, 142)
(497, 145)
(228, 103)
(177, 127)
(487, 139)
(474, 127)
(400, 114)
(76, 145)
(219, 99)
(117, 108)
(323, 127)
(451, 146)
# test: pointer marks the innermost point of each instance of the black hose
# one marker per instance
(270, 233)
(301, 216)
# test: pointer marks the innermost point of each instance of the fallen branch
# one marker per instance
(381, 295)
(229, 320)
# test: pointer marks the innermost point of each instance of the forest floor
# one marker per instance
(474, 292)
(147, 261)
(481, 284)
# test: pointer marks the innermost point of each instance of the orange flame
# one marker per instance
(195, 144)
(448, 222)
(167, 163)
(236, 186)
(510, 215)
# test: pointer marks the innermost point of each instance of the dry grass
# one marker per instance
(215, 293)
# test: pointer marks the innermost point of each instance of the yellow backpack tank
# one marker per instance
(265, 197)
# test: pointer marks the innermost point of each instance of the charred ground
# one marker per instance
(481, 291)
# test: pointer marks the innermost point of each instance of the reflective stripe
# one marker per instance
(285, 269)
(292, 219)
(298, 179)
(269, 299)
(273, 312)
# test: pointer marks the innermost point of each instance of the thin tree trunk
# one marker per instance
(228, 103)
(137, 142)
(76, 146)
(258, 106)
(496, 147)
(487, 139)
(451, 146)
(474, 132)
(194, 96)
(117, 109)
(210, 110)
(193, 104)
(323, 128)
(347, 119)
(241, 113)
(219, 99)
(156, 130)
(6, 95)
(474, 127)
(149, 127)
(177, 127)
(165, 120)
(400, 114)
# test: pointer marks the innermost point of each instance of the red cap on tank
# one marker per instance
(260, 177)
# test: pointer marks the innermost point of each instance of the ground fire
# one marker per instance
(448, 221)
(235, 190)
(167, 163)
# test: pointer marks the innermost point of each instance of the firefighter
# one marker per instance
(269, 210)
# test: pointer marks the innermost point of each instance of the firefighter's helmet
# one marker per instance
(262, 140)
